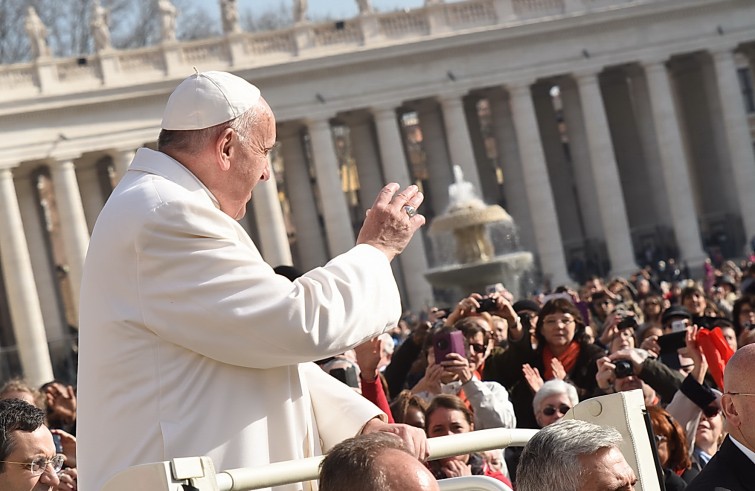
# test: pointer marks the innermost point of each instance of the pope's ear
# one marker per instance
(224, 148)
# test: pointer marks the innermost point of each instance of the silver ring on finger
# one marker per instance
(410, 210)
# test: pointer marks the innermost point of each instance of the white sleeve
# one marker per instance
(687, 414)
(340, 412)
(201, 287)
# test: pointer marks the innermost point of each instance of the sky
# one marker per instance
(317, 9)
(336, 9)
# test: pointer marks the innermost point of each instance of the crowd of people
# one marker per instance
(524, 363)
(669, 339)
(197, 317)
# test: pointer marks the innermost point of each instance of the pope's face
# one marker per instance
(250, 163)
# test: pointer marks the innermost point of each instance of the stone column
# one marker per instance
(414, 259)
(335, 210)
(51, 296)
(607, 180)
(513, 173)
(459, 143)
(299, 186)
(91, 193)
(649, 142)
(121, 160)
(438, 163)
(25, 311)
(537, 185)
(274, 244)
(674, 165)
(365, 153)
(737, 136)
(73, 224)
(580, 157)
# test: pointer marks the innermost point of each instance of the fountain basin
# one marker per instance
(513, 269)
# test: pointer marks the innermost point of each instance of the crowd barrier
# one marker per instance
(624, 411)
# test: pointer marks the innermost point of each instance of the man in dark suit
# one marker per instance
(733, 466)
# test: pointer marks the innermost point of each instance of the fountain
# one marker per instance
(476, 245)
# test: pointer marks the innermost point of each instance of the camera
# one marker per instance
(623, 369)
(445, 342)
(628, 322)
(487, 304)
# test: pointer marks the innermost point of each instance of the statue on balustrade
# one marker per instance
(100, 18)
(365, 6)
(300, 11)
(168, 14)
(230, 13)
(37, 33)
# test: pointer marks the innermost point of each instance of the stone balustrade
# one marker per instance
(111, 67)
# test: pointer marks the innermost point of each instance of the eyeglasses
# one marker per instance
(39, 464)
(660, 439)
(477, 347)
(564, 321)
(711, 411)
(551, 410)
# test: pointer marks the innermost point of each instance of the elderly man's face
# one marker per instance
(26, 447)
(607, 469)
(250, 165)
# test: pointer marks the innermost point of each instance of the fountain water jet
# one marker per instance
(476, 245)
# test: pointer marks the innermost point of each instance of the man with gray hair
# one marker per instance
(573, 455)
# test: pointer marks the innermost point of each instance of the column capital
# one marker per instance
(63, 159)
(519, 88)
(586, 75)
(722, 52)
(455, 97)
(319, 124)
(384, 110)
(653, 66)
(654, 62)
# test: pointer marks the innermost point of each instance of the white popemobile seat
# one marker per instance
(624, 411)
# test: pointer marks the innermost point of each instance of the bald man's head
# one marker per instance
(738, 401)
(738, 373)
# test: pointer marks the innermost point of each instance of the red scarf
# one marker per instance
(717, 352)
(568, 359)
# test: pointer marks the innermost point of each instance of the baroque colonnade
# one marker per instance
(634, 163)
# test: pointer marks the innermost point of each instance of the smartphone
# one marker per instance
(678, 326)
(445, 342)
(705, 321)
(669, 343)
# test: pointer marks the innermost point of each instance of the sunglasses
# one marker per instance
(551, 410)
(711, 411)
(477, 347)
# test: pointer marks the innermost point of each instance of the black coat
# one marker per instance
(506, 368)
(728, 470)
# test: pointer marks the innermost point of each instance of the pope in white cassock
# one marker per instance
(190, 344)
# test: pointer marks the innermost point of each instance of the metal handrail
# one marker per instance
(292, 471)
